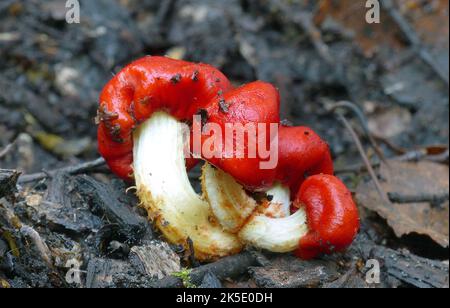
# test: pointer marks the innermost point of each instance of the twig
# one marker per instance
(191, 253)
(414, 156)
(413, 39)
(364, 123)
(305, 20)
(391, 145)
(6, 150)
(418, 155)
(229, 267)
(8, 181)
(434, 199)
(163, 11)
(38, 242)
(355, 168)
(72, 170)
(363, 155)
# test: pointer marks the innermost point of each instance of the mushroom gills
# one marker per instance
(165, 191)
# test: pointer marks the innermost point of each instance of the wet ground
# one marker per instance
(318, 53)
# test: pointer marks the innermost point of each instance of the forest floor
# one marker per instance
(390, 81)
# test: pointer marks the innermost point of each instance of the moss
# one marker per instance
(185, 276)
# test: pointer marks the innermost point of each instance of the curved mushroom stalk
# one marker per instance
(267, 225)
(231, 204)
(165, 191)
(275, 234)
(228, 200)
(279, 205)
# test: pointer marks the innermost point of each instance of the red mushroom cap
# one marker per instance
(253, 106)
(143, 87)
(302, 152)
(332, 216)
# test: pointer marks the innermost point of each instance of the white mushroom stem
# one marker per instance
(165, 191)
(268, 226)
(228, 200)
(275, 234)
(231, 204)
(280, 202)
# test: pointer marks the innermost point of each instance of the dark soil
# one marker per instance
(51, 73)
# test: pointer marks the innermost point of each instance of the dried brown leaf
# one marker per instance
(390, 122)
(422, 178)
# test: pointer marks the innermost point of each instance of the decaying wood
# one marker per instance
(155, 259)
(434, 199)
(8, 181)
(49, 81)
(229, 267)
(61, 210)
(111, 203)
(290, 272)
(6, 150)
(39, 244)
(108, 273)
(210, 281)
(72, 170)
(411, 269)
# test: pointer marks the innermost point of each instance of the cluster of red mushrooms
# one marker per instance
(144, 111)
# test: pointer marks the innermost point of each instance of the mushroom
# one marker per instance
(145, 113)
(325, 221)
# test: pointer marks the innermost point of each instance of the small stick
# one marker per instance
(72, 170)
(306, 22)
(6, 150)
(38, 242)
(355, 168)
(434, 199)
(228, 267)
(364, 123)
(418, 155)
(413, 39)
(414, 156)
(363, 155)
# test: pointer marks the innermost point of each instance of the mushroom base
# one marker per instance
(165, 191)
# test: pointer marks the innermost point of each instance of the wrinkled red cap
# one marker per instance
(332, 216)
(143, 87)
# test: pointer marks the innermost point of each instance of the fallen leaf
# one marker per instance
(390, 122)
(61, 146)
(177, 53)
(425, 18)
(406, 178)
